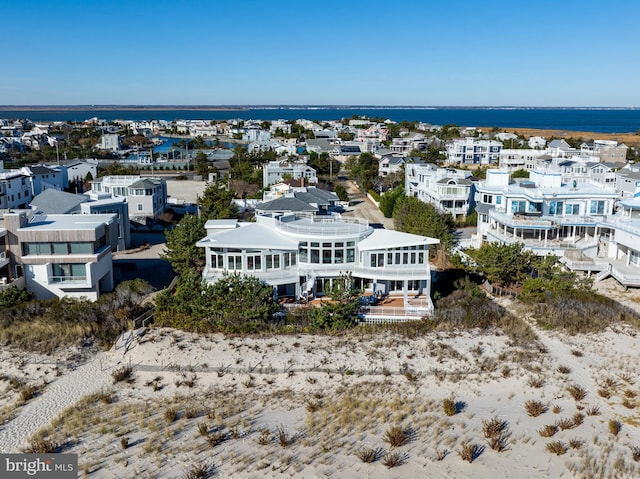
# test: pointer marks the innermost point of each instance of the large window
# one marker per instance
(217, 261)
(67, 272)
(254, 262)
(572, 209)
(518, 206)
(597, 207)
(61, 248)
(273, 261)
(555, 208)
(235, 262)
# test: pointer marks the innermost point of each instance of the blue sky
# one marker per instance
(464, 53)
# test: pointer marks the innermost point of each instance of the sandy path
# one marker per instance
(60, 394)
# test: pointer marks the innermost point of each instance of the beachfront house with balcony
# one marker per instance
(60, 255)
(300, 255)
(448, 189)
(577, 222)
(473, 151)
(276, 171)
(147, 197)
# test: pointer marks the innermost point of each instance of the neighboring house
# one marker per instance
(275, 171)
(300, 199)
(77, 170)
(605, 150)
(43, 177)
(53, 202)
(301, 256)
(147, 197)
(520, 159)
(391, 164)
(573, 221)
(628, 182)
(109, 142)
(15, 190)
(473, 151)
(407, 144)
(62, 255)
(449, 190)
(537, 142)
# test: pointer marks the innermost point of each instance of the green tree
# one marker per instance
(341, 191)
(14, 296)
(414, 216)
(216, 202)
(202, 165)
(341, 312)
(182, 251)
(388, 201)
(521, 173)
(504, 264)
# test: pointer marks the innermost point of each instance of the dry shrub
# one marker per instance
(577, 353)
(577, 392)
(396, 436)
(122, 374)
(582, 310)
(534, 408)
(500, 442)
(635, 453)
(628, 404)
(556, 409)
(493, 427)
(441, 454)
(199, 471)
(605, 393)
(557, 447)
(548, 431)
(593, 411)
(576, 443)
(536, 382)
(564, 369)
(171, 414)
(216, 438)
(203, 429)
(265, 437)
(393, 459)
(283, 436)
(313, 406)
(578, 419)
(42, 446)
(470, 452)
(368, 455)
(565, 424)
(614, 426)
(449, 406)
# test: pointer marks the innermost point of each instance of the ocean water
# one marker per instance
(582, 119)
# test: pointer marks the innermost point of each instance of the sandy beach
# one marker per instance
(310, 405)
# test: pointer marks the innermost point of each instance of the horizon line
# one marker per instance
(300, 106)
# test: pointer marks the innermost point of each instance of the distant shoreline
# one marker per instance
(294, 107)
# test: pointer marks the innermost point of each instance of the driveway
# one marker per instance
(363, 207)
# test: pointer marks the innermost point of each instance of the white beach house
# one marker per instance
(300, 255)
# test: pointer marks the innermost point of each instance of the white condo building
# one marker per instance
(473, 151)
(448, 189)
(300, 255)
(574, 221)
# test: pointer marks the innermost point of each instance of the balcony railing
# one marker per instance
(68, 279)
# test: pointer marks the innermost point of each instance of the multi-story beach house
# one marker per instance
(147, 197)
(473, 151)
(574, 221)
(300, 255)
(59, 255)
(275, 171)
(448, 189)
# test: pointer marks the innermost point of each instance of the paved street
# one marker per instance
(362, 207)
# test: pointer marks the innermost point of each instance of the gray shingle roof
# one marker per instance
(51, 202)
(286, 203)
